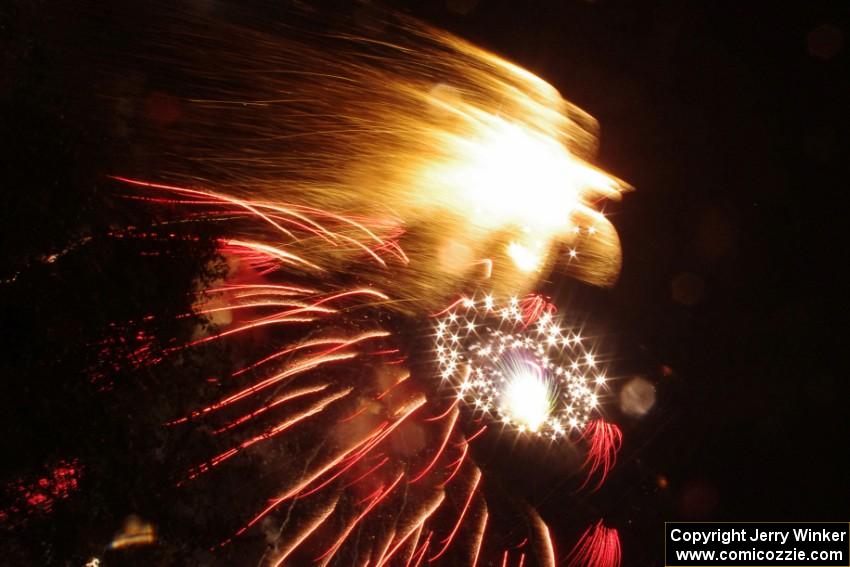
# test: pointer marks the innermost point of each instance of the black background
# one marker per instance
(730, 119)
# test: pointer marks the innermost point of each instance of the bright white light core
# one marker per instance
(527, 399)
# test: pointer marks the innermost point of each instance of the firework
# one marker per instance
(386, 177)
(393, 442)
(477, 168)
(519, 366)
(515, 363)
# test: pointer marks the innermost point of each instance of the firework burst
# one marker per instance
(353, 186)
(395, 458)
(519, 366)
(473, 166)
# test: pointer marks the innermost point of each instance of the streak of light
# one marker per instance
(448, 541)
(479, 539)
(598, 546)
(276, 430)
(605, 441)
(417, 526)
(377, 499)
(311, 527)
(438, 454)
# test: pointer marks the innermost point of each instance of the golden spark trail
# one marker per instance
(446, 151)
(479, 539)
(378, 498)
(416, 527)
(305, 533)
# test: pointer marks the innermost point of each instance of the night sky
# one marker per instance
(729, 119)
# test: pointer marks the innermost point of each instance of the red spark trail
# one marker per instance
(355, 414)
(533, 306)
(274, 287)
(370, 442)
(450, 307)
(438, 454)
(378, 498)
(389, 537)
(308, 530)
(271, 252)
(283, 399)
(352, 462)
(276, 430)
(598, 546)
(457, 464)
(480, 539)
(397, 382)
(309, 364)
(444, 414)
(605, 441)
(448, 541)
(415, 528)
(284, 352)
(225, 198)
(422, 550)
(475, 435)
